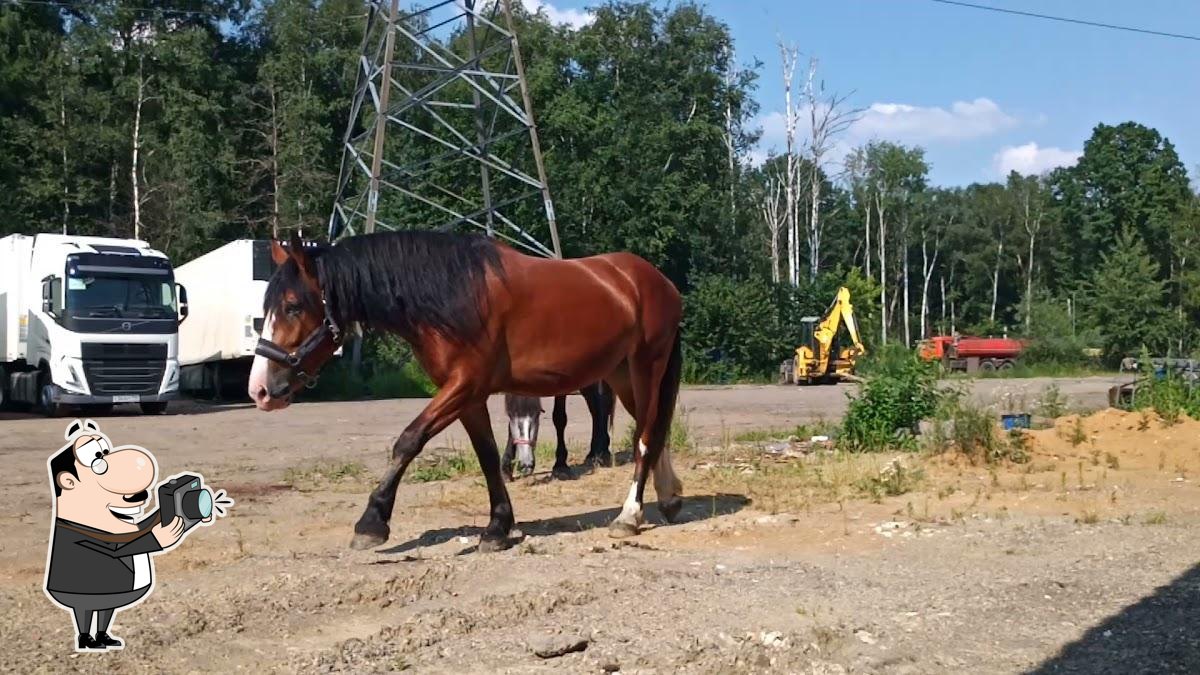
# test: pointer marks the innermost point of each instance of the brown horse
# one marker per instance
(481, 319)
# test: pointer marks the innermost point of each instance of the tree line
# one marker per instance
(189, 124)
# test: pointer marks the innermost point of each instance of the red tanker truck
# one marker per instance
(972, 354)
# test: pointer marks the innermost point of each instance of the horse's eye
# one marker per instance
(292, 309)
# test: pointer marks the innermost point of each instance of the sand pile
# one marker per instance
(1134, 440)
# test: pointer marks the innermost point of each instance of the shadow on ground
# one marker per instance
(695, 509)
(1158, 634)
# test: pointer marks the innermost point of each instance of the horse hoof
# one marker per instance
(365, 540)
(604, 460)
(670, 508)
(620, 529)
(492, 544)
(562, 473)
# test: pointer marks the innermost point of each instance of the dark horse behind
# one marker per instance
(482, 319)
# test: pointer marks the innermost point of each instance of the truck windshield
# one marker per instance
(141, 297)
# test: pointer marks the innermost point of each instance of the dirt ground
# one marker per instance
(1081, 559)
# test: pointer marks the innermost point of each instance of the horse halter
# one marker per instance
(292, 361)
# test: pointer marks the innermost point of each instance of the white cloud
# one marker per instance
(1029, 159)
(898, 122)
(575, 18)
(919, 124)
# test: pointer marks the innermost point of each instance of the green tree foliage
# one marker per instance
(1126, 296)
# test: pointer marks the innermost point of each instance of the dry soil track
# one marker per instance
(1082, 560)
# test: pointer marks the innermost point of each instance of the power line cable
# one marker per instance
(1063, 19)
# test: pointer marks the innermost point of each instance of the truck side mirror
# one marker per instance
(183, 302)
(51, 295)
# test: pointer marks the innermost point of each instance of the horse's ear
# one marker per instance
(301, 256)
(279, 255)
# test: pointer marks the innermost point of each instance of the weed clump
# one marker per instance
(900, 391)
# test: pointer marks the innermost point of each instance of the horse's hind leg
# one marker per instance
(561, 470)
(655, 379)
(599, 398)
(372, 527)
(478, 424)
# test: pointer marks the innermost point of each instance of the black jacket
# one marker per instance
(80, 563)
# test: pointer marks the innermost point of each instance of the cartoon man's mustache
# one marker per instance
(136, 497)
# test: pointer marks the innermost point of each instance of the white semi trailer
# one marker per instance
(216, 345)
(89, 322)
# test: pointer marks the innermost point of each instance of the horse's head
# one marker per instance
(524, 416)
(299, 334)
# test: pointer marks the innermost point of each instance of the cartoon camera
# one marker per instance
(185, 496)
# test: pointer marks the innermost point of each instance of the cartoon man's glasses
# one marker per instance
(92, 454)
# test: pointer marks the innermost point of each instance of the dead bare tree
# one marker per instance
(828, 118)
(135, 168)
(1032, 212)
(731, 76)
(928, 265)
(773, 216)
(788, 56)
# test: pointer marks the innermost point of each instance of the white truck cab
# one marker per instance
(88, 321)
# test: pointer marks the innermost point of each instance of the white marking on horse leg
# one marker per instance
(642, 447)
(631, 513)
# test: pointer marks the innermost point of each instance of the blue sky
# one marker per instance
(981, 91)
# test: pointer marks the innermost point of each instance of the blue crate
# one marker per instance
(1015, 421)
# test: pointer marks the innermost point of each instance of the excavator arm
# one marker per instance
(814, 362)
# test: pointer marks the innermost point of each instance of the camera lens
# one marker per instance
(197, 504)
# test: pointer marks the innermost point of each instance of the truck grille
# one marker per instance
(116, 368)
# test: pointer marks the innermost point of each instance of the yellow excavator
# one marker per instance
(818, 360)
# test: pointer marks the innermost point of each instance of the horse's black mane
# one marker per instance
(398, 281)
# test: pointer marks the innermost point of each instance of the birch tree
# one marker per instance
(829, 118)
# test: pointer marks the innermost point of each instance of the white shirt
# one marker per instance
(141, 570)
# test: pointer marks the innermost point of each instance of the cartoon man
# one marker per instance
(99, 555)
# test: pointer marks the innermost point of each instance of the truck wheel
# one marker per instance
(1006, 365)
(46, 403)
(154, 408)
(987, 366)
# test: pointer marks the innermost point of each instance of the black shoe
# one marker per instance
(105, 640)
(86, 642)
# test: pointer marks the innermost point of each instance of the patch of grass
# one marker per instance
(444, 467)
(1051, 403)
(679, 440)
(795, 486)
(1155, 518)
(801, 432)
(1088, 517)
(407, 382)
(893, 480)
(323, 474)
(1076, 435)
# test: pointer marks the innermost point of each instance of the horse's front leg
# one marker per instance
(478, 423)
(510, 450)
(600, 401)
(372, 527)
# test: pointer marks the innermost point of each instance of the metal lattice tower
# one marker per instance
(441, 131)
